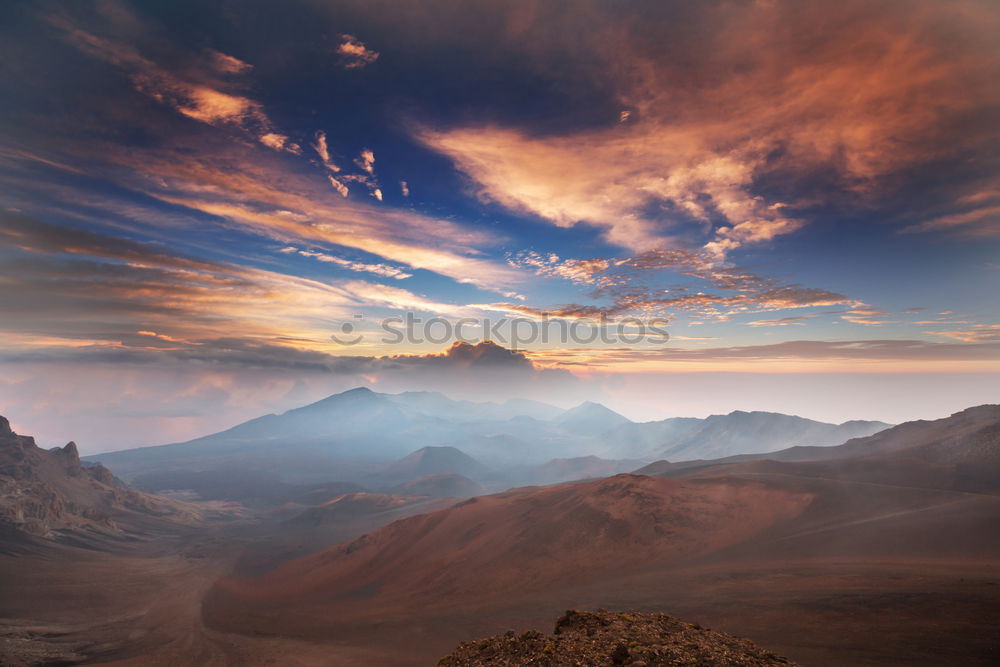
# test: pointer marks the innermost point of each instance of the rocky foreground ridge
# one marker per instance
(48, 493)
(593, 639)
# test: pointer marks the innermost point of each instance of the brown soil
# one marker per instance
(599, 639)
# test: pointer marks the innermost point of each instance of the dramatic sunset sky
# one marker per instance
(196, 195)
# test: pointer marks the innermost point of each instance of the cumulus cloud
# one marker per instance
(366, 161)
(480, 371)
(462, 354)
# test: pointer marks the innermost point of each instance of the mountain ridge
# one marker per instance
(306, 443)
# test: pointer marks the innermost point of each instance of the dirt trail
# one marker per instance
(141, 607)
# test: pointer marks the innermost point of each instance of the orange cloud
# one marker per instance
(978, 333)
(119, 293)
(378, 269)
(983, 221)
(873, 92)
(207, 101)
(797, 356)
(354, 54)
(265, 194)
(780, 322)
(866, 316)
(323, 151)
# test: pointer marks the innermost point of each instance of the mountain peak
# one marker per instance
(435, 460)
(357, 391)
(591, 415)
(591, 406)
(438, 452)
(356, 394)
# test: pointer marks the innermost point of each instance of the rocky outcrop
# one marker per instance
(69, 456)
(603, 638)
(47, 493)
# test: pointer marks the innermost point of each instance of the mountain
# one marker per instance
(436, 404)
(443, 485)
(604, 638)
(299, 443)
(349, 437)
(847, 560)
(51, 494)
(758, 432)
(590, 418)
(959, 452)
(970, 435)
(522, 407)
(645, 439)
(503, 450)
(434, 461)
(316, 442)
(884, 552)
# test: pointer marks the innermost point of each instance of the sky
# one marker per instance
(211, 211)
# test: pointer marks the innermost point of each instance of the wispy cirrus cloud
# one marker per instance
(781, 321)
(378, 269)
(977, 333)
(633, 285)
(795, 355)
(261, 198)
(866, 316)
(983, 221)
(75, 288)
(202, 173)
(213, 98)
